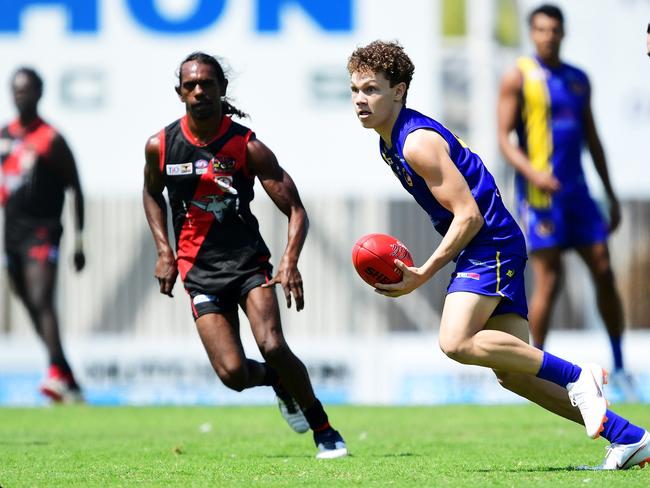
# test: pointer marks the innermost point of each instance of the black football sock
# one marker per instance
(316, 417)
(270, 377)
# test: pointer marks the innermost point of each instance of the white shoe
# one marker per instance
(622, 386)
(330, 444)
(291, 412)
(587, 394)
(59, 391)
(624, 456)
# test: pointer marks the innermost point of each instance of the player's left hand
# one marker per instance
(290, 279)
(79, 260)
(614, 214)
(412, 278)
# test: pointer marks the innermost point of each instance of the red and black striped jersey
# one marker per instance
(31, 189)
(218, 242)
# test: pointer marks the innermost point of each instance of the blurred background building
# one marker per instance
(110, 67)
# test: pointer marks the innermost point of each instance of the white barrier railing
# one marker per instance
(117, 293)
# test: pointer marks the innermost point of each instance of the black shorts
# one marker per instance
(39, 244)
(204, 302)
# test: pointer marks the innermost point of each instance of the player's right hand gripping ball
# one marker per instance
(373, 256)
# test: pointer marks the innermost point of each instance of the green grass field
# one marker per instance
(469, 446)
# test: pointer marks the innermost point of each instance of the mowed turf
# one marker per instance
(471, 446)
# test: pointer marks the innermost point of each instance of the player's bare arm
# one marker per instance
(66, 168)
(600, 162)
(428, 154)
(155, 209)
(507, 115)
(280, 187)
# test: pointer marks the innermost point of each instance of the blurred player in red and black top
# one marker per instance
(208, 163)
(37, 168)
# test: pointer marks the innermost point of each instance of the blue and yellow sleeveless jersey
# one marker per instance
(500, 232)
(551, 128)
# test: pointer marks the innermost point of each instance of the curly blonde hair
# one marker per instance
(384, 57)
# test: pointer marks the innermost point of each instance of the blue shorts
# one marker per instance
(493, 274)
(569, 223)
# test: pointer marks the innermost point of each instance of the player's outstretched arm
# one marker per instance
(507, 116)
(67, 169)
(155, 209)
(600, 162)
(282, 190)
(428, 154)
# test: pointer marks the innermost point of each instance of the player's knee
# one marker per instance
(273, 350)
(233, 377)
(603, 273)
(547, 284)
(456, 350)
(39, 302)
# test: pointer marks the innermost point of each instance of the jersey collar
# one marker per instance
(223, 127)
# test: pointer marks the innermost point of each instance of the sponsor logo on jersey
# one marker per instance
(217, 205)
(222, 163)
(476, 262)
(577, 88)
(201, 166)
(225, 183)
(180, 169)
(510, 273)
(471, 276)
(6, 145)
(203, 299)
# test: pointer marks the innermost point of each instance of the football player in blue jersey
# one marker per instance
(547, 103)
(484, 319)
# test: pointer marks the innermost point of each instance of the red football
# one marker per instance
(373, 256)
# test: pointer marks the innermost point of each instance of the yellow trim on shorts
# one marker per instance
(536, 114)
(499, 274)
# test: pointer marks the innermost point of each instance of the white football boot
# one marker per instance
(587, 394)
(624, 456)
(330, 444)
(291, 411)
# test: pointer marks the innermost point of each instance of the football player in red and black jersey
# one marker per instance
(37, 168)
(209, 163)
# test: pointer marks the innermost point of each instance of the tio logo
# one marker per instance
(83, 15)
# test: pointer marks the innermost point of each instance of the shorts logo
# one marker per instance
(510, 273)
(398, 251)
(180, 169)
(406, 176)
(203, 299)
(44, 252)
(471, 276)
(201, 166)
(222, 163)
(545, 228)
